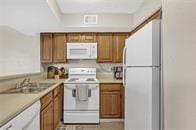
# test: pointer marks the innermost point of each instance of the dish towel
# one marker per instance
(82, 92)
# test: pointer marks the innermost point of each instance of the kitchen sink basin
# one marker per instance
(30, 88)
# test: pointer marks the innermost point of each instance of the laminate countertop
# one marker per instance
(13, 104)
(104, 79)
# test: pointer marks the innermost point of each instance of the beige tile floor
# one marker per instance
(101, 126)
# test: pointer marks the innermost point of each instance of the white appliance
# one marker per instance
(81, 50)
(76, 110)
(142, 70)
(29, 119)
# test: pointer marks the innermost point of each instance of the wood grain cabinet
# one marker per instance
(56, 111)
(46, 47)
(104, 50)
(47, 112)
(47, 117)
(59, 48)
(89, 37)
(81, 37)
(51, 109)
(111, 101)
(123, 100)
(61, 96)
(53, 47)
(118, 46)
(74, 37)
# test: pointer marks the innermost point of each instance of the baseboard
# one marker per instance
(111, 120)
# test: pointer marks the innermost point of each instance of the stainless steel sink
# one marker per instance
(30, 88)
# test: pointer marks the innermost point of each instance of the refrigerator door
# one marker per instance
(143, 48)
(142, 98)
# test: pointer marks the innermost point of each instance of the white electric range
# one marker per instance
(81, 96)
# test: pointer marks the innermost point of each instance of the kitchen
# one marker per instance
(88, 45)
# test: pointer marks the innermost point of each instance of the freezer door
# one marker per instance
(143, 48)
(142, 99)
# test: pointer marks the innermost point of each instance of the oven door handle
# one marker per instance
(89, 92)
(74, 93)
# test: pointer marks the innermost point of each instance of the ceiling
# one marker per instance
(34, 16)
(27, 16)
(99, 6)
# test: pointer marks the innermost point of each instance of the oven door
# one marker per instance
(78, 51)
(71, 101)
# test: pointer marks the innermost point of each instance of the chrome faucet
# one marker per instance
(22, 84)
(24, 81)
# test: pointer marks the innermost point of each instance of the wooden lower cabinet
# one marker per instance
(111, 101)
(123, 100)
(61, 101)
(51, 109)
(56, 111)
(47, 117)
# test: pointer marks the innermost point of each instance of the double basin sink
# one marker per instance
(29, 88)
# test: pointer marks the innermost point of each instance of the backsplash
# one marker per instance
(11, 81)
(103, 68)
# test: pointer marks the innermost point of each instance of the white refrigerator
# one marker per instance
(141, 78)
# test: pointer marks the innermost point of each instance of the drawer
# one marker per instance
(46, 100)
(57, 91)
(110, 87)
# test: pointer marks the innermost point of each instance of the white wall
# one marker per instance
(179, 59)
(146, 10)
(19, 54)
(104, 20)
(34, 16)
(106, 23)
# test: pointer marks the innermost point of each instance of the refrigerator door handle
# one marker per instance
(124, 76)
(124, 58)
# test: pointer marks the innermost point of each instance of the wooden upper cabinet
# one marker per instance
(46, 47)
(81, 37)
(74, 37)
(104, 50)
(118, 46)
(89, 37)
(59, 48)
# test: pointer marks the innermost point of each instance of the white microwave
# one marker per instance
(81, 50)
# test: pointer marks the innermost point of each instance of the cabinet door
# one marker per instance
(46, 47)
(104, 47)
(59, 48)
(74, 37)
(89, 37)
(61, 101)
(56, 111)
(123, 100)
(47, 117)
(118, 46)
(110, 101)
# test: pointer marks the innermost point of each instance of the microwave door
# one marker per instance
(78, 52)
